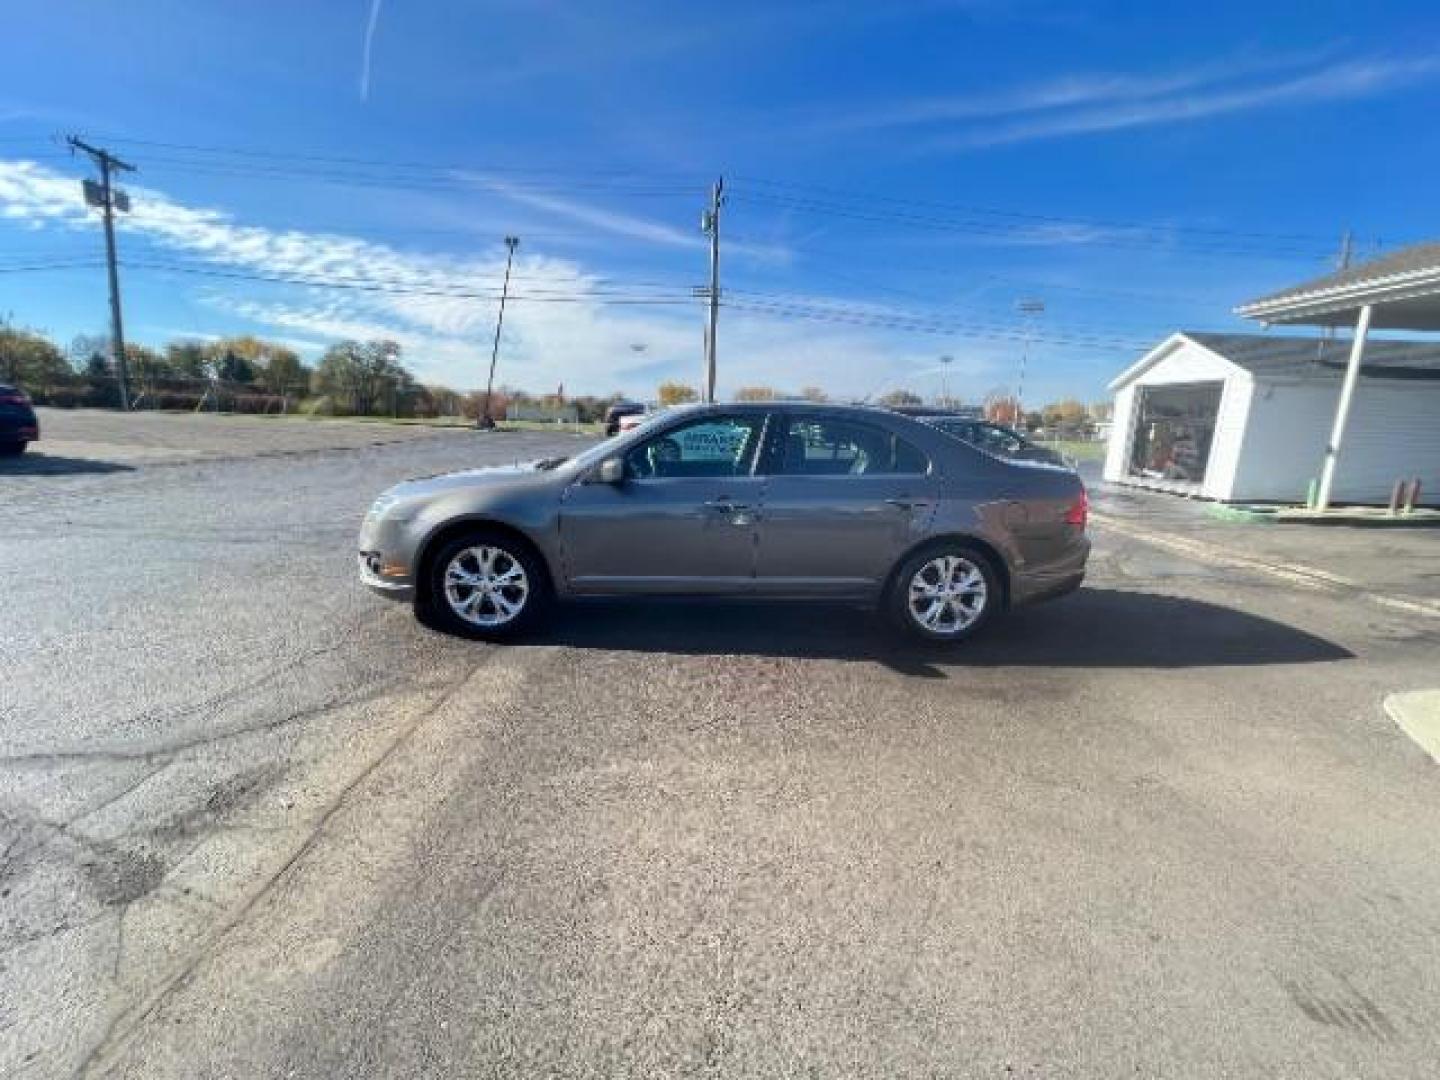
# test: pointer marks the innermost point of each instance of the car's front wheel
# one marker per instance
(486, 584)
(943, 593)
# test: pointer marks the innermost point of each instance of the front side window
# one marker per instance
(711, 446)
(820, 446)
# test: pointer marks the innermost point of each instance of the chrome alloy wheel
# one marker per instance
(947, 595)
(486, 586)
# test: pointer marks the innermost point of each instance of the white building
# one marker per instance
(1247, 418)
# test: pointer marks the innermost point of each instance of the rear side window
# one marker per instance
(822, 446)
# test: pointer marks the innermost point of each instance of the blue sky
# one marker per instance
(899, 175)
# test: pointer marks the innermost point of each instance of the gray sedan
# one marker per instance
(782, 501)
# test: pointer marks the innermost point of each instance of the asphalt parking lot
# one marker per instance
(256, 822)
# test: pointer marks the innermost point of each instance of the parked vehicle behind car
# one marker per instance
(617, 412)
(18, 424)
(765, 500)
(631, 421)
(995, 439)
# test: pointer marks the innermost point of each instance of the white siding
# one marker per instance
(1230, 432)
(1188, 363)
(1118, 449)
(1394, 432)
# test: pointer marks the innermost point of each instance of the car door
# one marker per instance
(683, 519)
(843, 499)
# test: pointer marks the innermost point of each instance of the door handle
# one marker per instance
(725, 506)
(906, 503)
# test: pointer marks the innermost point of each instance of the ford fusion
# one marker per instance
(775, 501)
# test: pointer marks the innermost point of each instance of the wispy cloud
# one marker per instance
(584, 342)
(1100, 102)
(1339, 82)
(368, 51)
(629, 226)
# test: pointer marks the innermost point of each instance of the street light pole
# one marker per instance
(945, 362)
(484, 420)
(1029, 307)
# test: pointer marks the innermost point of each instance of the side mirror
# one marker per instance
(611, 471)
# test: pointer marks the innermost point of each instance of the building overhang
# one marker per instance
(1407, 299)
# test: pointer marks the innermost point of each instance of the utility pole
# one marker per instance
(109, 200)
(484, 421)
(710, 225)
(1342, 262)
(1347, 251)
(1029, 307)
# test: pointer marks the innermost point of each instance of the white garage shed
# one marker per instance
(1247, 417)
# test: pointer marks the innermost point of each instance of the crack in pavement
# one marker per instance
(126, 1022)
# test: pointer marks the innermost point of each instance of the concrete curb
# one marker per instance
(1417, 713)
(1367, 517)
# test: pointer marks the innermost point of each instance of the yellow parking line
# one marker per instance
(1307, 577)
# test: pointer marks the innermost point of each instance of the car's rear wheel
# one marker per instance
(943, 593)
(486, 584)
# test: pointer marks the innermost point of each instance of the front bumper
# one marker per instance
(372, 576)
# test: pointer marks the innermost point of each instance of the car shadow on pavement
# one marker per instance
(1097, 628)
(33, 464)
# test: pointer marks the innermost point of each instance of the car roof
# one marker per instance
(858, 412)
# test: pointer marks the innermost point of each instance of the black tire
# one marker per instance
(897, 602)
(12, 449)
(434, 598)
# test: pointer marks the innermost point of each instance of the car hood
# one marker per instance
(520, 474)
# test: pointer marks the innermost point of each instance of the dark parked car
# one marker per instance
(995, 439)
(18, 425)
(774, 500)
(618, 411)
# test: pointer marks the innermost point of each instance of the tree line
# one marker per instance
(249, 374)
(369, 378)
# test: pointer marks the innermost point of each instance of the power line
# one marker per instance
(926, 324)
(1157, 239)
(456, 181)
(1110, 223)
(248, 152)
(74, 264)
(406, 289)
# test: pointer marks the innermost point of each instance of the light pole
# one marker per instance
(484, 421)
(1028, 307)
(945, 362)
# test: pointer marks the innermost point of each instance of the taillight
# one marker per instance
(14, 399)
(1079, 513)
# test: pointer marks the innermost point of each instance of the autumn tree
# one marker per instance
(814, 393)
(1001, 407)
(281, 370)
(675, 393)
(901, 398)
(1067, 414)
(29, 359)
(188, 359)
(362, 377)
(755, 393)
